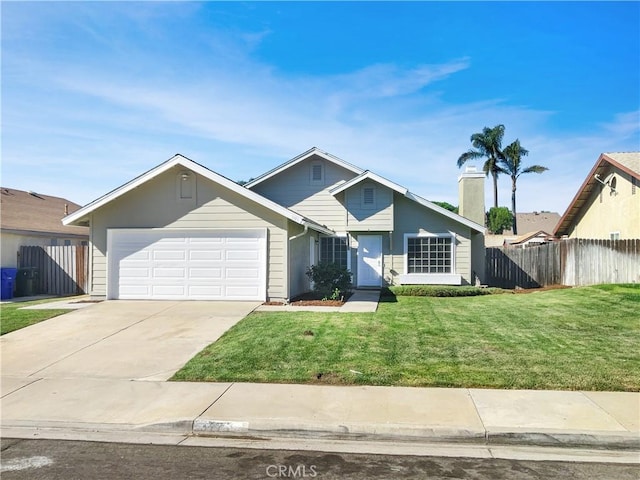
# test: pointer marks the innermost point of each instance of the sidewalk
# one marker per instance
(600, 420)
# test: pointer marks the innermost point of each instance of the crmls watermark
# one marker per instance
(291, 471)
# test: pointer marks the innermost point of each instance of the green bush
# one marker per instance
(330, 280)
(438, 291)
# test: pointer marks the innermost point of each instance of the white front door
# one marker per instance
(369, 260)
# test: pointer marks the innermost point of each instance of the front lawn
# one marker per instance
(573, 339)
(12, 318)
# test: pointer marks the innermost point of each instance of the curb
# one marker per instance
(599, 440)
(403, 433)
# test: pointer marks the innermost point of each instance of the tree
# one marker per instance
(498, 219)
(512, 166)
(488, 144)
(447, 206)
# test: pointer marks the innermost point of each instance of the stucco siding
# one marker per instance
(156, 205)
(294, 189)
(606, 212)
(411, 217)
(376, 217)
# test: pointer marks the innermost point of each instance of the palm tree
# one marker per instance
(512, 166)
(488, 144)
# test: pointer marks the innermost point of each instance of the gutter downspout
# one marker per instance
(304, 232)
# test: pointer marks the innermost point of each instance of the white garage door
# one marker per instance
(160, 264)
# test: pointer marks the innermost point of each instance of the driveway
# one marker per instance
(135, 340)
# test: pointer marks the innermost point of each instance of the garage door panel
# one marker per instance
(205, 255)
(184, 264)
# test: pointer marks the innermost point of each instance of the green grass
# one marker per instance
(11, 318)
(573, 339)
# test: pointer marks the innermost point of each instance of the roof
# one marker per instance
(367, 175)
(528, 236)
(363, 175)
(80, 216)
(627, 162)
(29, 212)
(535, 221)
(300, 158)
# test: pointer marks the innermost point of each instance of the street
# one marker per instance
(59, 459)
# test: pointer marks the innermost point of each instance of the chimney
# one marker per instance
(471, 195)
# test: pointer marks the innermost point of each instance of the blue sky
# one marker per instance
(95, 93)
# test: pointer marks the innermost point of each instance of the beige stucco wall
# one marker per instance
(10, 244)
(606, 212)
(155, 204)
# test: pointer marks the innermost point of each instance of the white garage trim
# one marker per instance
(186, 264)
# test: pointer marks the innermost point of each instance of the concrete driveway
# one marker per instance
(135, 340)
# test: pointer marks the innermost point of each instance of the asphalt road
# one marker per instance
(56, 459)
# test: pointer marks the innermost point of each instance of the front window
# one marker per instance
(429, 255)
(334, 250)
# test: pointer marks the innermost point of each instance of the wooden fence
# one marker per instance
(567, 262)
(62, 270)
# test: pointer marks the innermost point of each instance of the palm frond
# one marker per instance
(470, 155)
(535, 169)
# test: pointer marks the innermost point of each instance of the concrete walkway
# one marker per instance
(470, 416)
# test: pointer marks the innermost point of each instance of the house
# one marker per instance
(32, 219)
(530, 222)
(182, 231)
(529, 239)
(607, 205)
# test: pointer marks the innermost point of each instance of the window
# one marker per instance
(67, 243)
(334, 250)
(316, 175)
(433, 254)
(54, 242)
(368, 196)
(614, 235)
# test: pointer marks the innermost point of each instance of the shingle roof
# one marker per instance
(32, 212)
(535, 221)
(630, 160)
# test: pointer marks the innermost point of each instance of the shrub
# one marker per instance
(439, 291)
(499, 219)
(330, 280)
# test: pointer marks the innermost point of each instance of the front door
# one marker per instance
(369, 260)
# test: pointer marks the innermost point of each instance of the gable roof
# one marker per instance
(300, 158)
(80, 216)
(528, 236)
(368, 175)
(29, 212)
(628, 162)
(535, 221)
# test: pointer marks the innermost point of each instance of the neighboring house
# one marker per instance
(182, 231)
(607, 205)
(530, 239)
(530, 222)
(32, 219)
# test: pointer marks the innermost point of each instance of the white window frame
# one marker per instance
(346, 239)
(313, 181)
(614, 235)
(450, 278)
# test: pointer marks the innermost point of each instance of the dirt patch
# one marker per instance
(540, 289)
(311, 299)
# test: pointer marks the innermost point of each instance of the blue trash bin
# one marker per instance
(7, 279)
